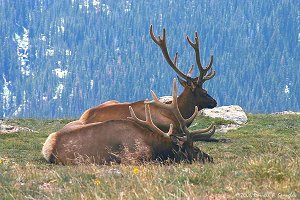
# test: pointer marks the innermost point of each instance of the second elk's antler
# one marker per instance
(186, 150)
(149, 123)
(189, 136)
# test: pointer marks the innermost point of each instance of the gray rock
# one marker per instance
(165, 99)
(233, 113)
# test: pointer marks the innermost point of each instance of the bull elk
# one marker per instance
(130, 139)
(192, 95)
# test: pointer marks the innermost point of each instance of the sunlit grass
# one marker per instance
(263, 159)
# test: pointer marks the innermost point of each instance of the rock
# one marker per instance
(288, 112)
(225, 128)
(233, 113)
(165, 99)
(6, 128)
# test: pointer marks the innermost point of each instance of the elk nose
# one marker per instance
(213, 104)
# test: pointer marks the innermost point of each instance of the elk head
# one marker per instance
(193, 87)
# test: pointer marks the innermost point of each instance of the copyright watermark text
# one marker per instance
(246, 195)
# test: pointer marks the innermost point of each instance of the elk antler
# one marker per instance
(190, 72)
(149, 123)
(162, 43)
(203, 71)
(173, 107)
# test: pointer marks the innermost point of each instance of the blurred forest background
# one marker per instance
(58, 58)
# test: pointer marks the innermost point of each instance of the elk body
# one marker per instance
(126, 140)
(192, 95)
(102, 143)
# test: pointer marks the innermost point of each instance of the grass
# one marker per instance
(262, 162)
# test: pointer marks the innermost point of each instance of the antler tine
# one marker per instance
(134, 117)
(157, 102)
(161, 104)
(157, 40)
(162, 43)
(174, 94)
(149, 122)
(210, 63)
(205, 130)
(191, 119)
(175, 59)
(173, 107)
(198, 135)
(203, 71)
(196, 47)
(190, 72)
(211, 74)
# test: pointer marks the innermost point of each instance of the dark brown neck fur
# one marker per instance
(186, 103)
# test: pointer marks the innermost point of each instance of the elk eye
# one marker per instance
(189, 83)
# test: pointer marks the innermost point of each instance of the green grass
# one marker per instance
(262, 162)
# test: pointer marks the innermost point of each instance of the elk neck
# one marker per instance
(186, 103)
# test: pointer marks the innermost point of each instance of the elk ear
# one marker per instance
(182, 82)
(193, 86)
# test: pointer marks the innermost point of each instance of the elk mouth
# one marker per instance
(209, 105)
(213, 104)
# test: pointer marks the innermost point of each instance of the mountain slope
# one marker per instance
(60, 58)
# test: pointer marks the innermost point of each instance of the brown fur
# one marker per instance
(162, 118)
(101, 143)
(49, 147)
(91, 113)
(125, 140)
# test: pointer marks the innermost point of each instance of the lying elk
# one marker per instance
(123, 140)
(192, 95)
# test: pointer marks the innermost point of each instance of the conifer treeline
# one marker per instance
(82, 53)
